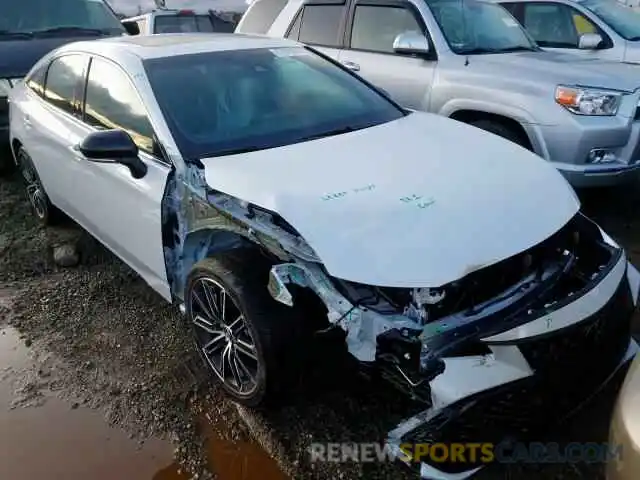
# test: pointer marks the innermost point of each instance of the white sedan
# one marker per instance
(273, 193)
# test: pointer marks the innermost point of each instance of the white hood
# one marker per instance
(482, 198)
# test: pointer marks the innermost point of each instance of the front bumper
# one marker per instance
(625, 429)
(567, 147)
(537, 374)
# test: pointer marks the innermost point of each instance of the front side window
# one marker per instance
(261, 98)
(42, 16)
(625, 21)
(182, 24)
(555, 24)
(320, 24)
(477, 27)
(112, 103)
(376, 27)
(64, 80)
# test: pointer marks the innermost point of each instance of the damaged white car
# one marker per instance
(261, 185)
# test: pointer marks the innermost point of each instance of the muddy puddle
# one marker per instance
(55, 439)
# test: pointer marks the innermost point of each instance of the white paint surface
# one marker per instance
(471, 198)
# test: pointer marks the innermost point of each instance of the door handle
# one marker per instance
(351, 65)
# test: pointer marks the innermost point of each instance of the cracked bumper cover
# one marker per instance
(537, 373)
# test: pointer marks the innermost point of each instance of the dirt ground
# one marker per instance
(109, 343)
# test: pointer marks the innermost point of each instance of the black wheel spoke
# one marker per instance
(206, 325)
(215, 344)
(246, 349)
(211, 301)
(203, 307)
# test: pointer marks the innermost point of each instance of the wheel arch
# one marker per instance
(205, 242)
(15, 145)
(470, 116)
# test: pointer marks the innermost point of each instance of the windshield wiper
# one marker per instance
(235, 151)
(329, 133)
(634, 39)
(12, 34)
(70, 30)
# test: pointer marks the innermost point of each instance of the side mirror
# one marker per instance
(589, 41)
(113, 146)
(131, 27)
(411, 43)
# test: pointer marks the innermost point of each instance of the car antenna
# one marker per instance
(464, 30)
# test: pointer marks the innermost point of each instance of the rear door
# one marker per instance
(321, 25)
(371, 30)
(51, 122)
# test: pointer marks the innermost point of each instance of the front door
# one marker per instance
(369, 51)
(121, 211)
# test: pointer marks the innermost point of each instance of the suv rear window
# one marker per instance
(40, 15)
(260, 15)
(182, 23)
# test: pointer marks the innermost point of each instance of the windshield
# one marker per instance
(33, 16)
(471, 26)
(245, 100)
(625, 21)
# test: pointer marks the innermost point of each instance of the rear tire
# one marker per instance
(41, 206)
(247, 340)
(501, 130)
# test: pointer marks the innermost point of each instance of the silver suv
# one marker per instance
(472, 61)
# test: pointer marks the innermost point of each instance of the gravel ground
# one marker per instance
(108, 341)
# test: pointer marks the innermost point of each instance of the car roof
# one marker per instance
(174, 44)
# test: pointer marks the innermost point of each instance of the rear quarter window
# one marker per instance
(260, 16)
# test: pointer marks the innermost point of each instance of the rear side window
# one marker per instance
(64, 79)
(318, 25)
(35, 81)
(260, 15)
(182, 24)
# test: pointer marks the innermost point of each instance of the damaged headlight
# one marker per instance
(588, 101)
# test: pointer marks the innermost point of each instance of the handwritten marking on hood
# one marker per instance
(336, 195)
(418, 200)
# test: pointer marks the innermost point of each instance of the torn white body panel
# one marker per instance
(403, 217)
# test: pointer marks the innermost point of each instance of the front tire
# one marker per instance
(41, 206)
(501, 130)
(245, 337)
